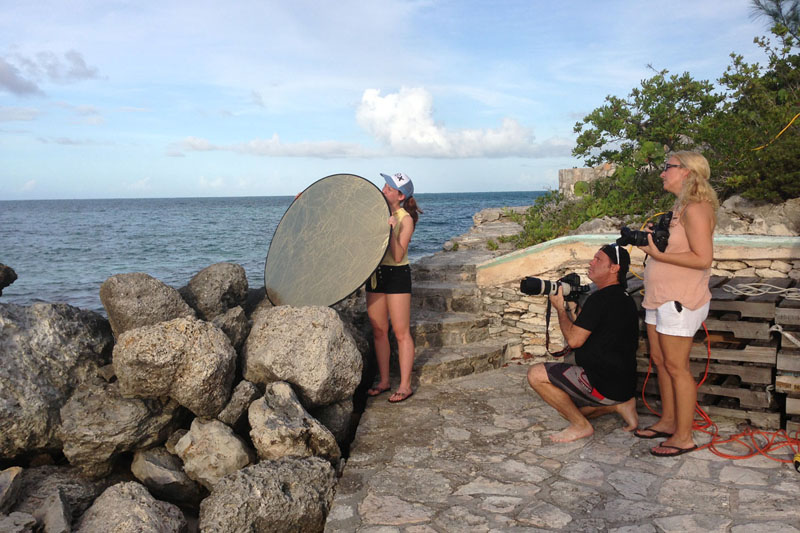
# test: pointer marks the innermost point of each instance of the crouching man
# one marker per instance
(604, 337)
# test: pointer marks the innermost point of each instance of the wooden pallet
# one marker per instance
(788, 360)
(792, 406)
(759, 375)
(710, 394)
(751, 353)
(788, 384)
(760, 419)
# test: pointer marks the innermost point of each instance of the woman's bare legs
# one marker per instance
(378, 312)
(666, 424)
(676, 352)
(400, 314)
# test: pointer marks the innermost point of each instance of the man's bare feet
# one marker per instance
(572, 433)
(627, 411)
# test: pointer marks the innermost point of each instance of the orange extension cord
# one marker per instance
(758, 442)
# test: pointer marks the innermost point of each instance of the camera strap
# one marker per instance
(560, 353)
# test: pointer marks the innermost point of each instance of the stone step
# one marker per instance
(432, 328)
(457, 297)
(433, 365)
(449, 266)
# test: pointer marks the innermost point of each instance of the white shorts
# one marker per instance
(669, 321)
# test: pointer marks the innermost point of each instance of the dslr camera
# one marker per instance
(639, 238)
(570, 285)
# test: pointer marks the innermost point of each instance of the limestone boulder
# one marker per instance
(289, 494)
(98, 424)
(308, 347)
(738, 215)
(216, 289)
(44, 487)
(235, 324)
(7, 277)
(599, 225)
(243, 395)
(210, 450)
(127, 507)
(17, 523)
(55, 515)
(337, 417)
(186, 359)
(256, 298)
(136, 299)
(282, 427)
(10, 483)
(162, 473)
(46, 350)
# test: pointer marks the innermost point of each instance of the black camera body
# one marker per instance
(639, 238)
(570, 285)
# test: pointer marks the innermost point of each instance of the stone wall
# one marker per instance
(512, 312)
(568, 177)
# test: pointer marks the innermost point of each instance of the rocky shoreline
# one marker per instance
(204, 407)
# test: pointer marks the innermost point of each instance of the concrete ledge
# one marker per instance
(579, 249)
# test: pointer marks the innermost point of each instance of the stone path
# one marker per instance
(472, 454)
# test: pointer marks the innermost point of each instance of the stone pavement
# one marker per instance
(472, 454)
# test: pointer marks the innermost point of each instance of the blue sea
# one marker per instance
(63, 250)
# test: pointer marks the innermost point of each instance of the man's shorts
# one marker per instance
(390, 280)
(671, 318)
(573, 380)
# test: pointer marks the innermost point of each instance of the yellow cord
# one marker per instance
(778, 135)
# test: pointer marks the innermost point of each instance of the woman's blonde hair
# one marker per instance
(696, 188)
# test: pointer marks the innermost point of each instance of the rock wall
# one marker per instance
(175, 410)
(568, 177)
(512, 312)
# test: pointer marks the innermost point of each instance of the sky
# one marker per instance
(143, 99)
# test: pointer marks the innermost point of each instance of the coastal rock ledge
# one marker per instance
(187, 409)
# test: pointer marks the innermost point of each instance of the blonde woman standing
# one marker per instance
(677, 298)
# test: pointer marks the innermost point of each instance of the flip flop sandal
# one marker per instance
(403, 396)
(674, 450)
(377, 391)
(655, 433)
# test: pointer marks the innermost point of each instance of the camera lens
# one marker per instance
(535, 286)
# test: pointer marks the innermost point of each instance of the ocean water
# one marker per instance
(63, 250)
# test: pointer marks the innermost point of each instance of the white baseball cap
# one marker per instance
(401, 182)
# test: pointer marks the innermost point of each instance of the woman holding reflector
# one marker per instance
(389, 289)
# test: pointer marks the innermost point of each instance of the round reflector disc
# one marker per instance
(328, 242)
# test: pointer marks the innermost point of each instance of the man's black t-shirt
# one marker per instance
(609, 354)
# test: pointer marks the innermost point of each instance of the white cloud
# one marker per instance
(28, 186)
(9, 114)
(273, 147)
(205, 183)
(404, 122)
(89, 114)
(141, 185)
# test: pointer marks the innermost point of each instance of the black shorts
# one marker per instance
(572, 379)
(390, 280)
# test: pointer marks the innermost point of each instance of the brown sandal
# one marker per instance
(401, 396)
(377, 391)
